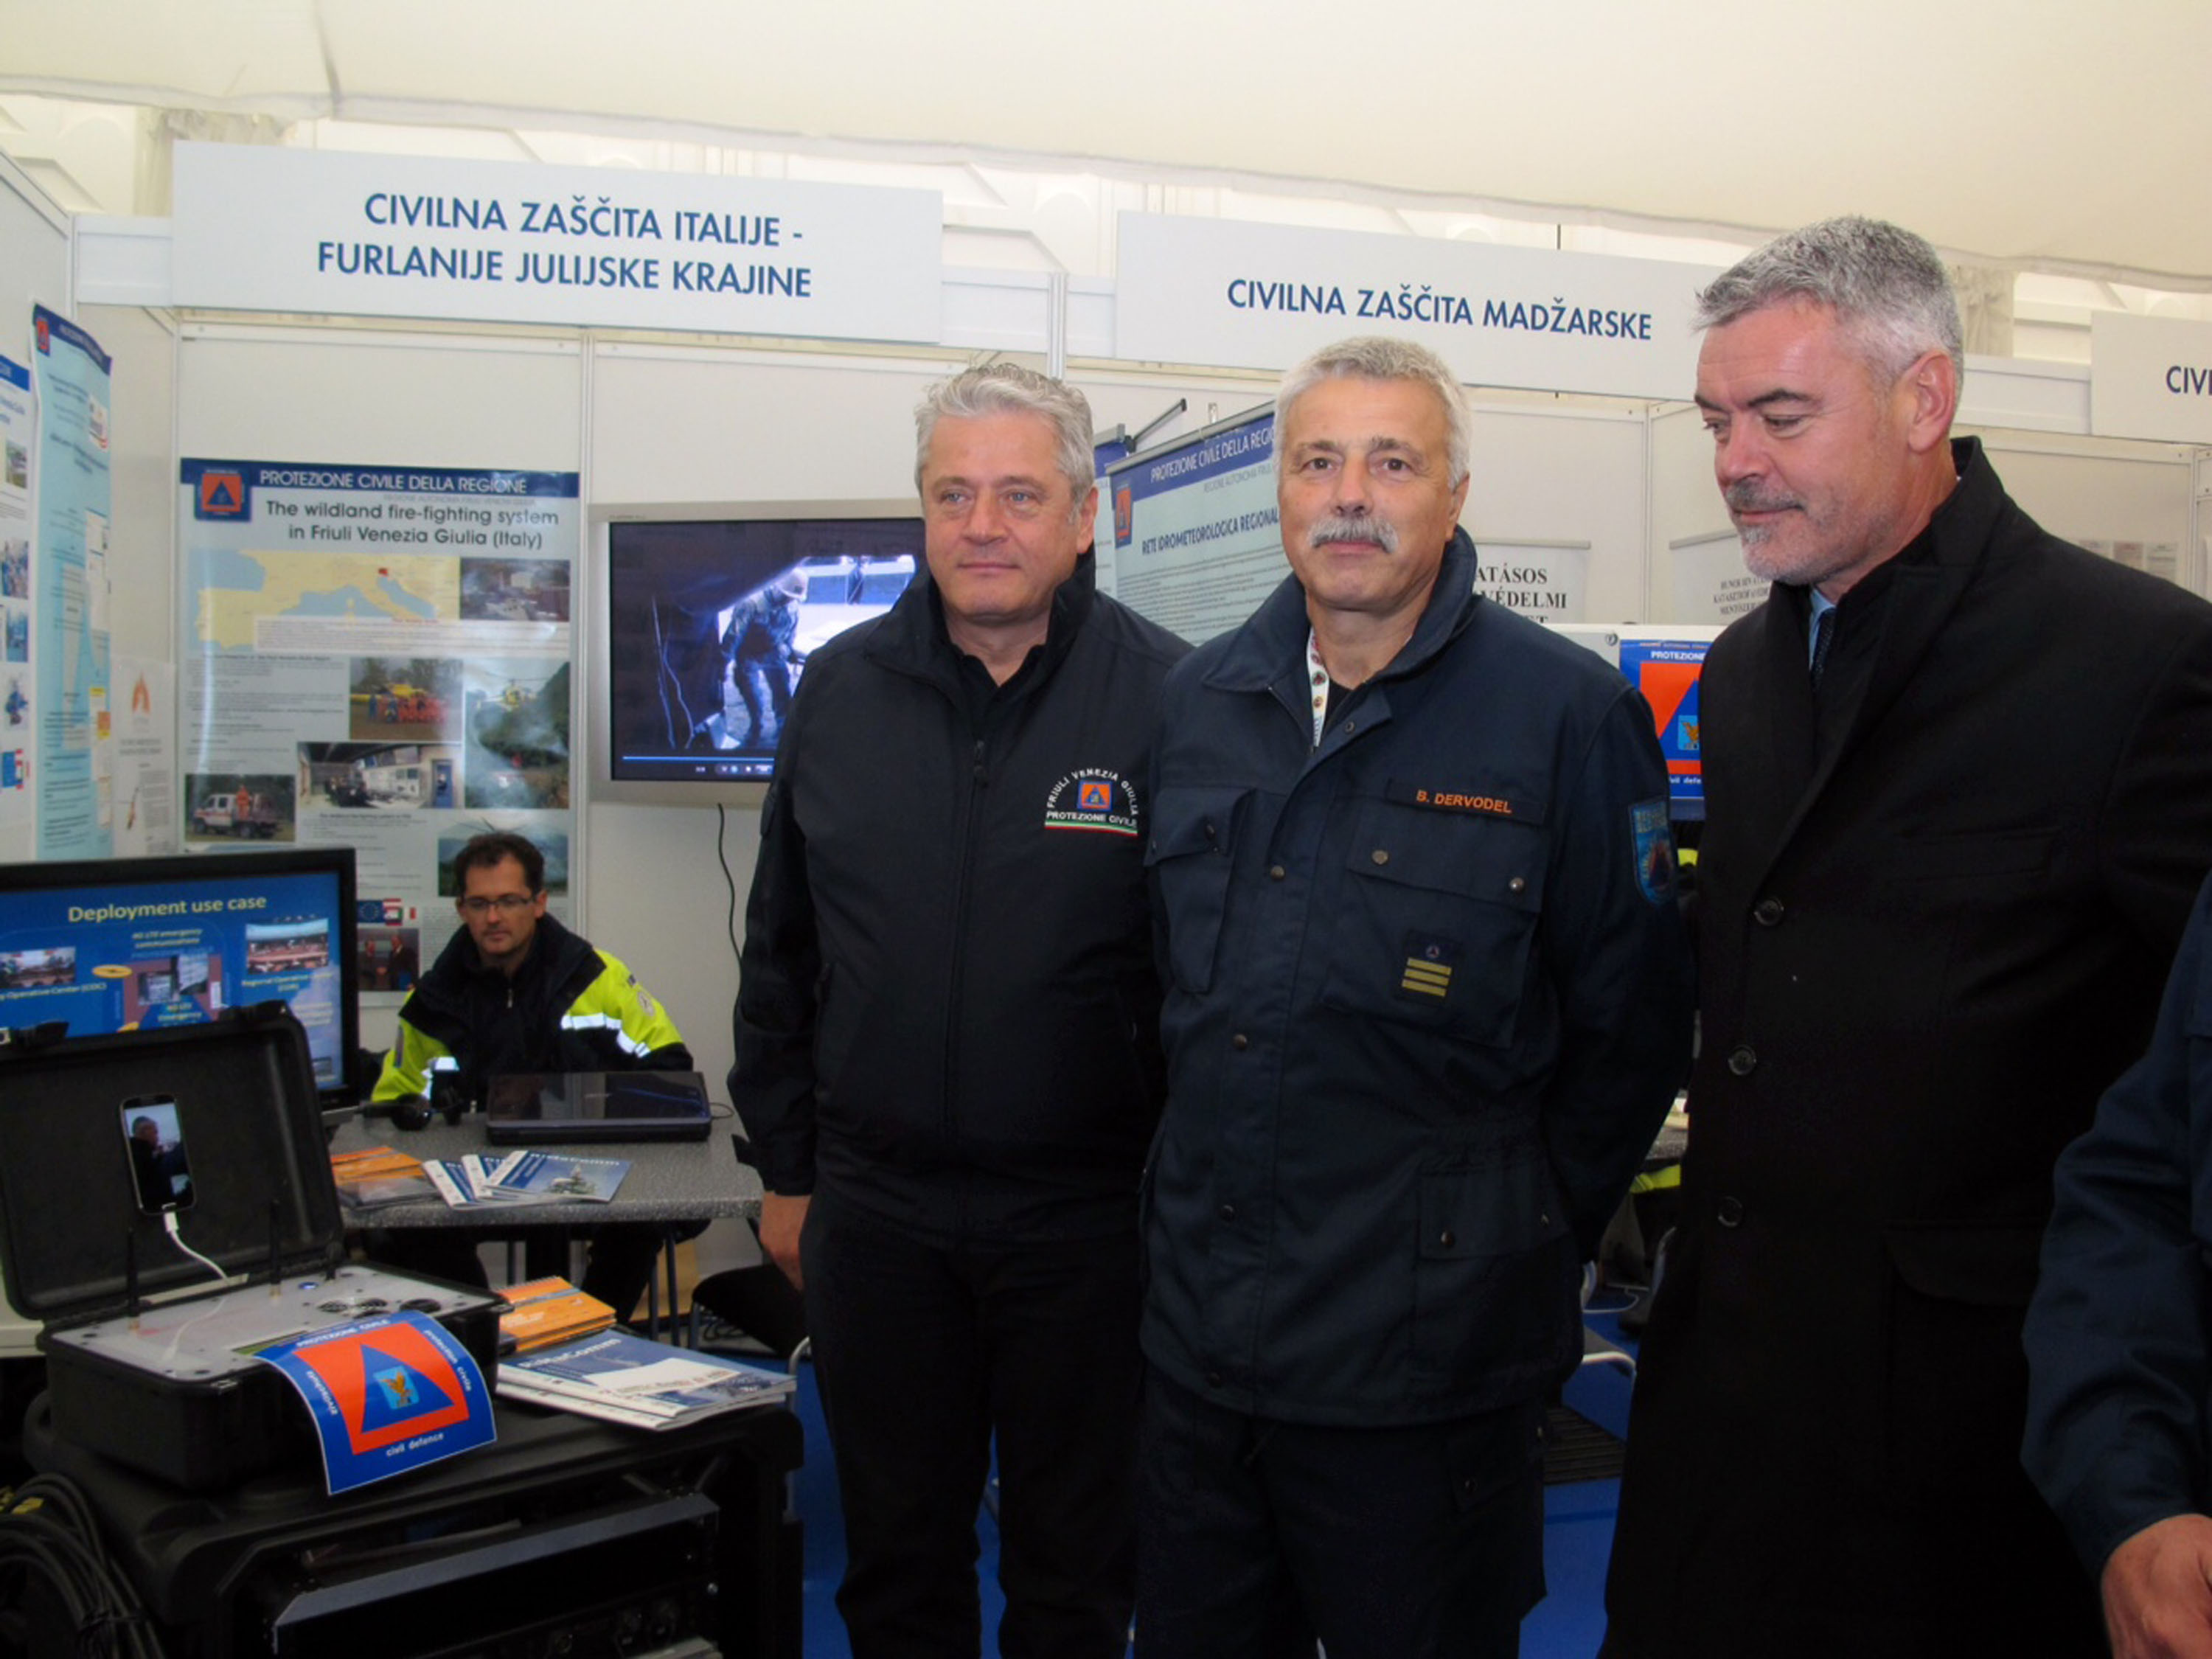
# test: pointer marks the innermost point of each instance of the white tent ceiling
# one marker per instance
(2045, 134)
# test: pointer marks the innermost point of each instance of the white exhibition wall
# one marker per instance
(2093, 490)
(34, 260)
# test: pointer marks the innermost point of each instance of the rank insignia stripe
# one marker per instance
(1428, 978)
(1429, 961)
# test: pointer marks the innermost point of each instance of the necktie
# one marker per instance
(1824, 635)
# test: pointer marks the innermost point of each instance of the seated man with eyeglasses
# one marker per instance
(516, 991)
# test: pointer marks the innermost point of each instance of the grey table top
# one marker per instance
(1668, 1146)
(668, 1180)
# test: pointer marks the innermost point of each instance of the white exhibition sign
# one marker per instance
(1262, 296)
(2150, 377)
(1546, 581)
(1710, 582)
(272, 229)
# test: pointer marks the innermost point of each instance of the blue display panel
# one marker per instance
(124, 944)
(1666, 672)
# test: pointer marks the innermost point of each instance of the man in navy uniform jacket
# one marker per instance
(2119, 1335)
(1429, 998)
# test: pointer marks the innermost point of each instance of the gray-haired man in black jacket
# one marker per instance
(947, 1053)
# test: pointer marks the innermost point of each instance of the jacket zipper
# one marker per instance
(957, 967)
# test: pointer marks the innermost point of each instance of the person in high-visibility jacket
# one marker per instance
(515, 991)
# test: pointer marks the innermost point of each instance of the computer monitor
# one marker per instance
(703, 618)
(120, 945)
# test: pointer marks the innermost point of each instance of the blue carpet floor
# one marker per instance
(1577, 1533)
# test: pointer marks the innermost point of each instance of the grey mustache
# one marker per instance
(1353, 527)
(1750, 500)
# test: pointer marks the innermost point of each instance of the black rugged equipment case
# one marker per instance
(160, 1385)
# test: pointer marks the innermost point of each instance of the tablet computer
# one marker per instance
(525, 1108)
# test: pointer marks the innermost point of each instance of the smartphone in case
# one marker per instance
(161, 1173)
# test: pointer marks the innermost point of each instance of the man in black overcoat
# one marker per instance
(1941, 884)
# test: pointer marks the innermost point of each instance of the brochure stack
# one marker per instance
(624, 1378)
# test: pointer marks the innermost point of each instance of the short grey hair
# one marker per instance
(1887, 287)
(1008, 388)
(1378, 357)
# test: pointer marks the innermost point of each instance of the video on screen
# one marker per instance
(712, 624)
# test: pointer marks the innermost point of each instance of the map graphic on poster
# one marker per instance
(377, 655)
(240, 592)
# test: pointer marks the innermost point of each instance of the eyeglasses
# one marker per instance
(507, 904)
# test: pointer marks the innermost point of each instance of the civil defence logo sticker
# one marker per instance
(1092, 798)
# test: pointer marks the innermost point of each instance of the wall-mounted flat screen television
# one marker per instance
(708, 615)
(125, 944)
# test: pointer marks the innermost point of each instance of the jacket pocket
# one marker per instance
(2025, 852)
(1956, 1375)
(1190, 855)
(1492, 1275)
(1439, 921)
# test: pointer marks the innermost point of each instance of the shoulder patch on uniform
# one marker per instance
(1653, 849)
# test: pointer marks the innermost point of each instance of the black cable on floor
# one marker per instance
(47, 1534)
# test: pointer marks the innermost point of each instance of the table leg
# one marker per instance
(546, 1253)
(668, 1257)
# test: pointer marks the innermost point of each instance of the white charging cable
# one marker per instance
(169, 1222)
